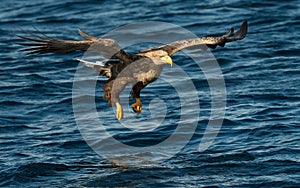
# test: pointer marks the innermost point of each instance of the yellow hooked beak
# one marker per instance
(167, 59)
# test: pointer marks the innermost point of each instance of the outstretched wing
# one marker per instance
(41, 44)
(211, 42)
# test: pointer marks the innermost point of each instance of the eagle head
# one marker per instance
(159, 57)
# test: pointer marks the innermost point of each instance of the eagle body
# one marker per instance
(124, 68)
(138, 73)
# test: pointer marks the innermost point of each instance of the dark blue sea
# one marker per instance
(255, 142)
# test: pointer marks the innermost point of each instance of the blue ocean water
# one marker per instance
(257, 145)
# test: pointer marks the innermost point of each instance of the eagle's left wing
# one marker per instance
(41, 44)
(211, 42)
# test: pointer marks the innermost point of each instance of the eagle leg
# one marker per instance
(113, 99)
(137, 106)
(136, 90)
(107, 91)
(112, 90)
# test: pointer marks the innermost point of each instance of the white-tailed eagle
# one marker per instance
(148, 66)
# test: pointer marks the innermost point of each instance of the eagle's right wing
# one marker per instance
(41, 44)
(211, 42)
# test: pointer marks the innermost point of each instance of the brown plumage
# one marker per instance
(139, 69)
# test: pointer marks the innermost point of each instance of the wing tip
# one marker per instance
(230, 32)
(244, 29)
(245, 24)
(86, 36)
(241, 33)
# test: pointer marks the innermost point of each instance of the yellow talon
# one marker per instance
(119, 111)
(137, 106)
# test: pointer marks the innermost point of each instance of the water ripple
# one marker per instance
(258, 144)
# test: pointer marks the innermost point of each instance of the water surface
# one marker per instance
(258, 144)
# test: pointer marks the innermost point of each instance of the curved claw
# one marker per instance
(119, 111)
(137, 106)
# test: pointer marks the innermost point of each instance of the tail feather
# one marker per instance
(103, 68)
